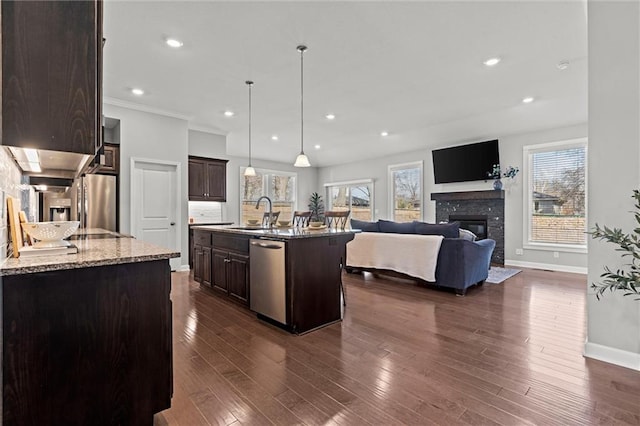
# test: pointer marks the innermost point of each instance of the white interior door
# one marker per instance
(154, 204)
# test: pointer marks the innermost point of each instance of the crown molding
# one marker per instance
(144, 108)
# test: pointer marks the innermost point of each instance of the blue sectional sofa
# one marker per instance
(462, 262)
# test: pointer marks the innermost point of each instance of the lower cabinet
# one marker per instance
(223, 264)
(238, 274)
(231, 274)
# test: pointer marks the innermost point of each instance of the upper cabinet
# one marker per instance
(52, 75)
(207, 179)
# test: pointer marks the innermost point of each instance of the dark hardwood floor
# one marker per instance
(508, 354)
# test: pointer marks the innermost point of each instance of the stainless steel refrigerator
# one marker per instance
(98, 202)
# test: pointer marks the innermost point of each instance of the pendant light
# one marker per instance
(302, 160)
(249, 171)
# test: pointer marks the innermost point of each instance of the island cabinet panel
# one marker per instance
(221, 262)
(88, 346)
(220, 259)
(239, 277)
(198, 263)
(207, 179)
(51, 75)
(313, 287)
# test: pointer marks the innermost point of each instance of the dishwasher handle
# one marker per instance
(266, 245)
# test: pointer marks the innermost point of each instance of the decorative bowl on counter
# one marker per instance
(316, 224)
(252, 221)
(50, 234)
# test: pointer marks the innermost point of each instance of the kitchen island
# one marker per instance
(302, 287)
(86, 337)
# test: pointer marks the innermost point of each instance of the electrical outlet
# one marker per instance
(556, 254)
(519, 252)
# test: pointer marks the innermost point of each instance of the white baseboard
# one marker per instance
(183, 268)
(548, 266)
(612, 355)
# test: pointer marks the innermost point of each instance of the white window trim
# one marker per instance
(329, 185)
(266, 172)
(390, 185)
(527, 150)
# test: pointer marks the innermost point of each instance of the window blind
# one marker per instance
(558, 196)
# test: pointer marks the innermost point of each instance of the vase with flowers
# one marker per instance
(496, 174)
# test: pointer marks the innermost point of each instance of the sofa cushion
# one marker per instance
(467, 235)
(447, 230)
(392, 227)
(365, 226)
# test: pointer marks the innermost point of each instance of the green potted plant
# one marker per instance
(629, 244)
(316, 206)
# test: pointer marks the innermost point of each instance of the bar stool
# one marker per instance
(301, 219)
(270, 221)
(336, 219)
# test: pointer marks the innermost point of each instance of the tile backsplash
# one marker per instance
(207, 211)
(10, 176)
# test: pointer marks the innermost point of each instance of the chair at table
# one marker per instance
(301, 219)
(336, 219)
(266, 221)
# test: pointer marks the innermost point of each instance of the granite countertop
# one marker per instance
(279, 233)
(91, 252)
(191, 225)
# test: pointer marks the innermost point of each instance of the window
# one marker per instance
(279, 186)
(405, 191)
(555, 202)
(356, 196)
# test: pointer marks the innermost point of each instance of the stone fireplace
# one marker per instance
(472, 222)
(475, 210)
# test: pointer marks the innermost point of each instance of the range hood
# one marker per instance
(56, 164)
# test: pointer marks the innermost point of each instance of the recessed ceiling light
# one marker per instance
(492, 61)
(229, 113)
(527, 100)
(384, 133)
(172, 42)
(137, 92)
(563, 65)
(316, 146)
(274, 137)
(330, 116)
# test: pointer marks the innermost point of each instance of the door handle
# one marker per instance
(266, 245)
(172, 223)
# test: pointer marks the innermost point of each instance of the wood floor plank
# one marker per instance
(404, 354)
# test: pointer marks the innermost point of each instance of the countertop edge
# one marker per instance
(278, 233)
(34, 269)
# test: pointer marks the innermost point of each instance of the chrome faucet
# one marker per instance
(269, 217)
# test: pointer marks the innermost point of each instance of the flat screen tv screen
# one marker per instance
(465, 163)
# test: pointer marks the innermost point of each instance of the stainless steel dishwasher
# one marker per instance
(267, 285)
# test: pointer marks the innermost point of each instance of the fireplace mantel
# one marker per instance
(468, 195)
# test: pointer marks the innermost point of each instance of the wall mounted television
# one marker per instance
(464, 163)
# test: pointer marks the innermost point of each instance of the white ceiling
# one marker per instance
(412, 68)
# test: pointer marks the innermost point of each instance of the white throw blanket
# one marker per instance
(411, 254)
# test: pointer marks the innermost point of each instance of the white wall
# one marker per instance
(10, 176)
(510, 155)
(151, 136)
(613, 323)
(214, 146)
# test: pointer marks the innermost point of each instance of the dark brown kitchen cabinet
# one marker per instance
(207, 179)
(230, 273)
(238, 282)
(111, 163)
(52, 75)
(222, 263)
